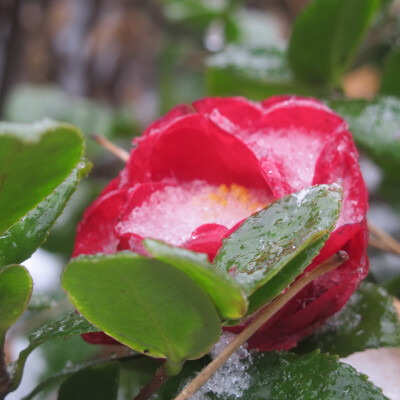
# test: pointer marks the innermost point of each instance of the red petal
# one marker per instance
(99, 338)
(162, 123)
(274, 100)
(339, 159)
(231, 114)
(207, 239)
(133, 242)
(193, 147)
(95, 233)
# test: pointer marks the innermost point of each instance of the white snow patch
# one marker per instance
(382, 367)
(232, 379)
(174, 212)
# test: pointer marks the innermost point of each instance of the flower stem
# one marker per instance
(386, 241)
(158, 380)
(118, 152)
(328, 265)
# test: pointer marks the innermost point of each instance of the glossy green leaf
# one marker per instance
(288, 273)
(390, 75)
(71, 324)
(265, 253)
(375, 126)
(160, 311)
(225, 292)
(256, 73)
(326, 36)
(100, 383)
(21, 240)
(369, 320)
(15, 292)
(33, 192)
(279, 376)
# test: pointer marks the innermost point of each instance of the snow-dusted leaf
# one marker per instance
(375, 126)
(272, 247)
(71, 324)
(279, 376)
(41, 165)
(253, 72)
(369, 320)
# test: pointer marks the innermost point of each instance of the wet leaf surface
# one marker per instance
(375, 126)
(368, 321)
(71, 324)
(283, 376)
(272, 247)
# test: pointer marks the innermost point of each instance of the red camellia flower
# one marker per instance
(199, 171)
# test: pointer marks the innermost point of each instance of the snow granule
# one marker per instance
(174, 212)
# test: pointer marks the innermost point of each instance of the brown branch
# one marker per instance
(5, 379)
(386, 240)
(331, 263)
(158, 380)
(122, 154)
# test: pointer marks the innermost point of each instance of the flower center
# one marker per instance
(174, 212)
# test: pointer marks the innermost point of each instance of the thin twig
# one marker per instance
(159, 379)
(377, 243)
(122, 154)
(391, 243)
(396, 303)
(331, 263)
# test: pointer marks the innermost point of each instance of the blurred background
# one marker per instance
(113, 66)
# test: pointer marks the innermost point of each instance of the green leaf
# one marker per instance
(100, 383)
(71, 324)
(15, 292)
(369, 320)
(160, 311)
(21, 240)
(375, 126)
(392, 285)
(226, 294)
(272, 247)
(390, 75)
(144, 368)
(253, 72)
(326, 36)
(275, 375)
(32, 192)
